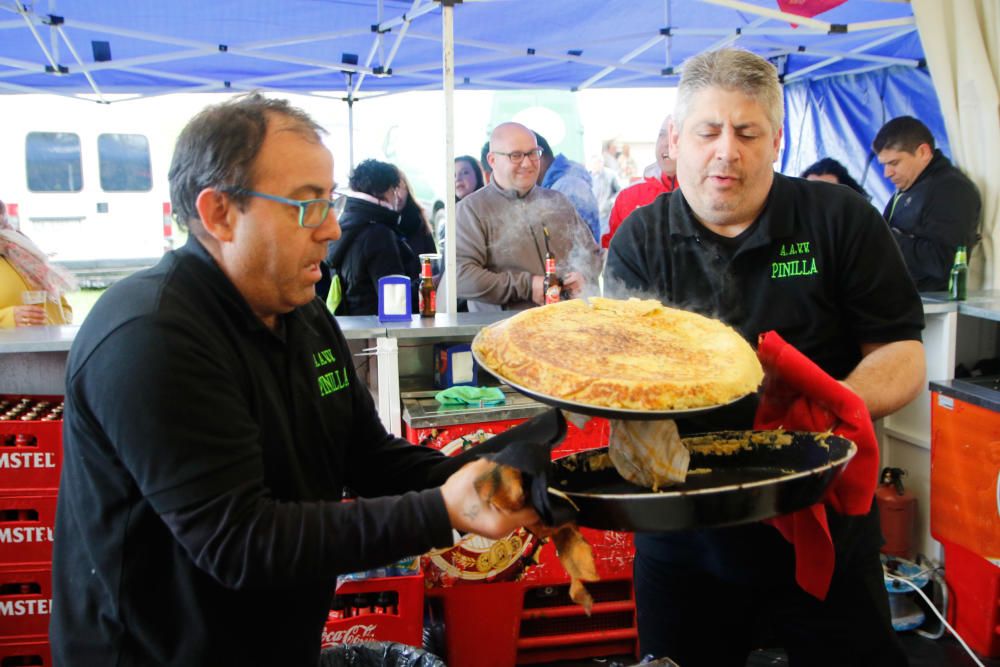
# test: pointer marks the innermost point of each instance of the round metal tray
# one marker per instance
(761, 481)
(597, 410)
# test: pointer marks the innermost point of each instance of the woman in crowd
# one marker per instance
(371, 243)
(31, 289)
(468, 176)
(828, 169)
(413, 221)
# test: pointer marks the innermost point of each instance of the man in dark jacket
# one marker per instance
(936, 208)
(214, 420)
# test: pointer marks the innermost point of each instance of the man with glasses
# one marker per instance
(501, 228)
(214, 420)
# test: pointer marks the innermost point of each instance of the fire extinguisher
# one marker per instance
(897, 510)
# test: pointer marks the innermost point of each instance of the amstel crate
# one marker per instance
(27, 522)
(25, 601)
(387, 609)
(34, 652)
(30, 444)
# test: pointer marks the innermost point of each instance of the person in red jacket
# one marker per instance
(645, 191)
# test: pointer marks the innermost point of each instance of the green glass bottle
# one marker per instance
(958, 281)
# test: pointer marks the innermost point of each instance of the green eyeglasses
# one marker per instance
(312, 212)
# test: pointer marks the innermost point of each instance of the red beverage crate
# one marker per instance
(553, 627)
(30, 451)
(975, 586)
(480, 623)
(25, 601)
(399, 617)
(27, 521)
(34, 652)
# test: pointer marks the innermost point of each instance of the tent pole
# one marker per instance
(350, 121)
(350, 131)
(448, 73)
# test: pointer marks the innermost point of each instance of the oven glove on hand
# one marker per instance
(649, 454)
(520, 477)
(528, 448)
(798, 396)
(466, 395)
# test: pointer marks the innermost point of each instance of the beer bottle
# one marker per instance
(428, 295)
(553, 286)
(958, 281)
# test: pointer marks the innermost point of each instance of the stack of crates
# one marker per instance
(30, 461)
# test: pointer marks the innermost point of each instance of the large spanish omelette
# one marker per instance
(634, 354)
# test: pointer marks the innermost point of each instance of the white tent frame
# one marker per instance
(429, 75)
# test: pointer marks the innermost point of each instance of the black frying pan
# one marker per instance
(760, 480)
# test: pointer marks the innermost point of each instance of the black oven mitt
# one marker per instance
(528, 448)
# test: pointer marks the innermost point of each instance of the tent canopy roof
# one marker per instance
(371, 46)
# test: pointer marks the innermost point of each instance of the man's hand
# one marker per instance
(470, 513)
(538, 290)
(573, 283)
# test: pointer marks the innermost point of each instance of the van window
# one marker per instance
(124, 163)
(53, 162)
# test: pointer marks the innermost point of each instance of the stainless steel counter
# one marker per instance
(37, 339)
(984, 304)
(443, 326)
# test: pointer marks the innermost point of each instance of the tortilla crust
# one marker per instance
(634, 354)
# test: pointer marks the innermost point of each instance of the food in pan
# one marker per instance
(627, 354)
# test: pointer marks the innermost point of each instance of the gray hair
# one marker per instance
(731, 69)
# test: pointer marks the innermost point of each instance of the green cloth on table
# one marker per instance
(465, 395)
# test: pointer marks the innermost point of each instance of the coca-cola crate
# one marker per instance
(25, 601)
(27, 521)
(34, 652)
(30, 442)
(389, 609)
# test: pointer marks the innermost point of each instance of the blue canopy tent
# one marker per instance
(846, 70)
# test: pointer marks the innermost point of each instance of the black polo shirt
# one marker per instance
(199, 518)
(819, 266)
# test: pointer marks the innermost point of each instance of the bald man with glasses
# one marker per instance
(500, 231)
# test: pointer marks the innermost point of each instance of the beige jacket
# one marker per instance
(500, 245)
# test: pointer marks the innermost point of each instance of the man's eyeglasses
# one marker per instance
(518, 156)
(312, 212)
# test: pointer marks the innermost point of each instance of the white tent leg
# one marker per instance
(448, 55)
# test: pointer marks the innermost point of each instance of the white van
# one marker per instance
(87, 182)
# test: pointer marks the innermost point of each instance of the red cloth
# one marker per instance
(634, 196)
(799, 396)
